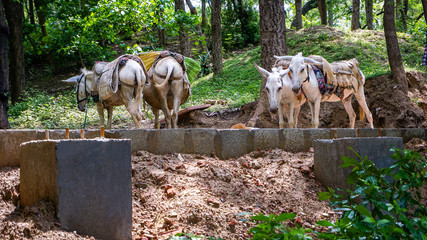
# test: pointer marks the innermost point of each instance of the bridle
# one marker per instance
(78, 88)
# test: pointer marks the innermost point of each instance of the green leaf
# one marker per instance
(325, 223)
(349, 162)
(285, 216)
(363, 210)
(369, 220)
(260, 218)
(324, 196)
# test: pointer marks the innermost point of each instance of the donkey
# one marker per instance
(167, 89)
(128, 92)
(281, 96)
(304, 75)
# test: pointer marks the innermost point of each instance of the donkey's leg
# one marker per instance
(291, 120)
(281, 111)
(165, 109)
(360, 97)
(316, 113)
(156, 118)
(100, 109)
(177, 88)
(110, 117)
(313, 115)
(126, 93)
(296, 114)
(349, 110)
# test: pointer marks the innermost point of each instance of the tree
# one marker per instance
(321, 5)
(393, 51)
(184, 44)
(402, 14)
(273, 42)
(330, 13)
(355, 24)
(216, 37)
(425, 9)
(298, 14)
(369, 10)
(14, 11)
(204, 17)
(4, 70)
(305, 9)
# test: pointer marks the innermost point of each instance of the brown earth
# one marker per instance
(193, 194)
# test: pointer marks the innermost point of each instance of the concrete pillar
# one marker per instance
(89, 182)
(328, 153)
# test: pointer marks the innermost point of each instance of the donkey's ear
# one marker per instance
(72, 80)
(262, 71)
(284, 72)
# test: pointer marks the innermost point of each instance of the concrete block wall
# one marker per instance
(89, 182)
(224, 143)
(328, 152)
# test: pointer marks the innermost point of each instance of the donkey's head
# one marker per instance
(298, 69)
(84, 87)
(274, 85)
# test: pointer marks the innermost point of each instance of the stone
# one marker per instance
(89, 182)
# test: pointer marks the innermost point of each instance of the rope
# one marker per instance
(87, 106)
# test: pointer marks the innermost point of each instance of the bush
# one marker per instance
(380, 204)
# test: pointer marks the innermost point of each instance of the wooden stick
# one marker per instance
(102, 132)
(82, 134)
(358, 132)
(379, 132)
(46, 134)
(335, 134)
(67, 133)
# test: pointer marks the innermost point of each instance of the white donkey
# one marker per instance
(304, 79)
(281, 96)
(130, 85)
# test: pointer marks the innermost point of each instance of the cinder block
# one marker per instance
(328, 153)
(233, 143)
(265, 139)
(164, 141)
(310, 135)
(88, 180)
(410, 133)
(292, 140)
(138, 136)
(368, 132)
(201, 141)
(9, 145)
(344, 132)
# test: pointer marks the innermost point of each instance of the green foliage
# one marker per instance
(38, 110)
(272, 227)
(240, 28)
(383, 203)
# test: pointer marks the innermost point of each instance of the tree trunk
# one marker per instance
(273, 42)
(312, 4)
(330, 14)
(369, 9)
(216, 37)
(321, 5)
(193, 11)
(15, 16)
(184, 45)
(355, 24)
(244, 22)
(41, 15)
(393, 51)
(31, 12)
(425, 9)
(298, 14)
(204, 17)
(4, 70)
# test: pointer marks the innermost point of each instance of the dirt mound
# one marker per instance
(191, 194)
(389, 106)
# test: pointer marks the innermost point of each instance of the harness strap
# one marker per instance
(308, 76)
